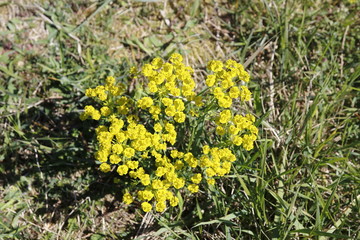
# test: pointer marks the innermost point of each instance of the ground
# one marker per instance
(301, 180)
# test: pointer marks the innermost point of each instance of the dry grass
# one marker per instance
(304, 62)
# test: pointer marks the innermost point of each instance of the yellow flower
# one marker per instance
(225, 102)
(147, 70)
(91, 111)
(190, 159)
(243, 75)
(210, 172)
(174, 201)
(220, 130)
(225, 116)
(179, 183)
(160, 206)
(155, 111)
(218, 93)
(211, 181)
(179, 165)
(122, 170)
(157, 127)
(250, 117)
(100, 93)
(160, 171)
(105, 111)
(145, 179)
(114, 159)
(170, 111)
(210, 80)
(179, 105)
(83, 116)
(90, 92)
(104, 167)
(176, 58)
(205, 161)
(248, 141)
(145, 195)
(132, 164)
(167, 68)
(127, 198)
(245, 94)
(193, 188)
(225, 84)
(145, 102)
(129, 152)
(110, 80)
(231, 64)
(179, 117)
(233, 130)
(102, 155)
(237, 140)
(196, 178)
(215, 66)
(120, 137)
(157, 184)
(253, 129)
(117, 148)
(157, 63)
(146, 207)
(234, 92)
(152, 87)
(169, 127)
(133, 71)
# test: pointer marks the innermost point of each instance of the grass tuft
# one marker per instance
(302, 179)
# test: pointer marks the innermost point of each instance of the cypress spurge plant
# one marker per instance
(172, 137)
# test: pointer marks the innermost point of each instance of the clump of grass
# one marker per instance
(303, 58)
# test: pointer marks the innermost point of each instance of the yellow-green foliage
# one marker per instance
(140, 137)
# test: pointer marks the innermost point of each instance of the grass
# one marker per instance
(301, 181)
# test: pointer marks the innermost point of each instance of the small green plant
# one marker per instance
(172, 135)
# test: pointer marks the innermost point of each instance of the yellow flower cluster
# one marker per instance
(222, 82)
(148, 138)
